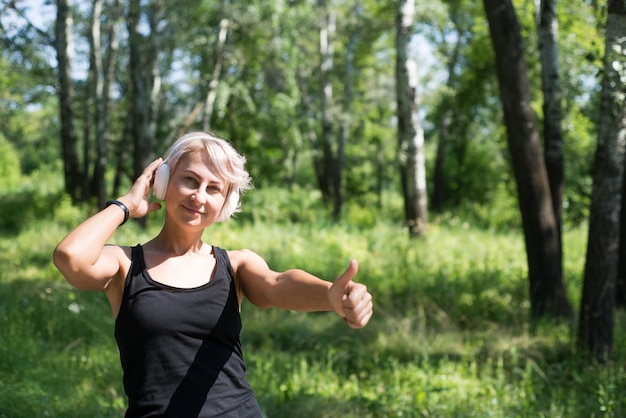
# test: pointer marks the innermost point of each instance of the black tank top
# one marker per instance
(180, 349)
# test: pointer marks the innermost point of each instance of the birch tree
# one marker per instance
(547, 35)
(103, 59)
(410, 133)
(595, 329)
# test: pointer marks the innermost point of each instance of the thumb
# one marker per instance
(341, 287)
(153, 207)
(343, 281)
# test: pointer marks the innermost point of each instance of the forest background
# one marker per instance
(312, 94)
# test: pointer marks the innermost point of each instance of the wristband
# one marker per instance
(121, 206)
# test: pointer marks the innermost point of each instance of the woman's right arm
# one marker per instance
(83, 257)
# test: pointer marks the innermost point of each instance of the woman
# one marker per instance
(176, 299)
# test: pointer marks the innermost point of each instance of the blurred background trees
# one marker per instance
(289, 90)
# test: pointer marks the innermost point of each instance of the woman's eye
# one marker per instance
(191, 180)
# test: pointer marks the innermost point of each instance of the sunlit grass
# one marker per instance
(450, 336)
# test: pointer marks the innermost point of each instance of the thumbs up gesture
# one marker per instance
(351, 300)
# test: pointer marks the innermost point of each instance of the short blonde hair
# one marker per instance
(226, 163)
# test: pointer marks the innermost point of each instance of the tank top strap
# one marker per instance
(222, 259)
(137, 262)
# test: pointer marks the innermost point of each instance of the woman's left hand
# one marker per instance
(137, 198)
(350, 299)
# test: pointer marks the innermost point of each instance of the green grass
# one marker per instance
(450, 336)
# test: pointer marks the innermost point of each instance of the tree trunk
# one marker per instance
(87, 187)
(145, 82)
(595, 332)
(439, 183)
(346, 119)
(410, 132)
(102, 69)
(110, 65)
(326, 161)
(620, 280)
(439, 172)
(156, 17)
(218, 63)
(100, 105)
(443, 125)
(547, 293)
(547, 35)
(69, 138)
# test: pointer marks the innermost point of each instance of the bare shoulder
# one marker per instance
(122, 253)
(249, 267)
(243, 258)
(253, 276)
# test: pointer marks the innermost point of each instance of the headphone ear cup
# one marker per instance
(233, 201)
(161, 178)
(229, 207)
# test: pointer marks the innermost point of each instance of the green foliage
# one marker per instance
(35, 198)
(10, 172)
(580, 145)
(278, 205)
(500, 213)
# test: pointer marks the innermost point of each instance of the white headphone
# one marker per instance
(162, 178)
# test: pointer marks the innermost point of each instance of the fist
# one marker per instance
(351, 300)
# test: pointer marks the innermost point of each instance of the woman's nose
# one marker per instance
(198, 196)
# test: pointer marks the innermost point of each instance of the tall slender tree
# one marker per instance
(410, 133)
(99, 93)
(547, 35)
(325, 161)
(547, 292)
(595, 329)
(620, 280)
(145, 79)
(347, 121)
(444, 121)
(64, 44)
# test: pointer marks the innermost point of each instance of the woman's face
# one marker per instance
(195, 194)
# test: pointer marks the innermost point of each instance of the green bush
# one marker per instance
(10, 171)
(37, 198)
(278, 205)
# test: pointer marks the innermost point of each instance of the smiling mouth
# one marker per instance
(196, 212)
